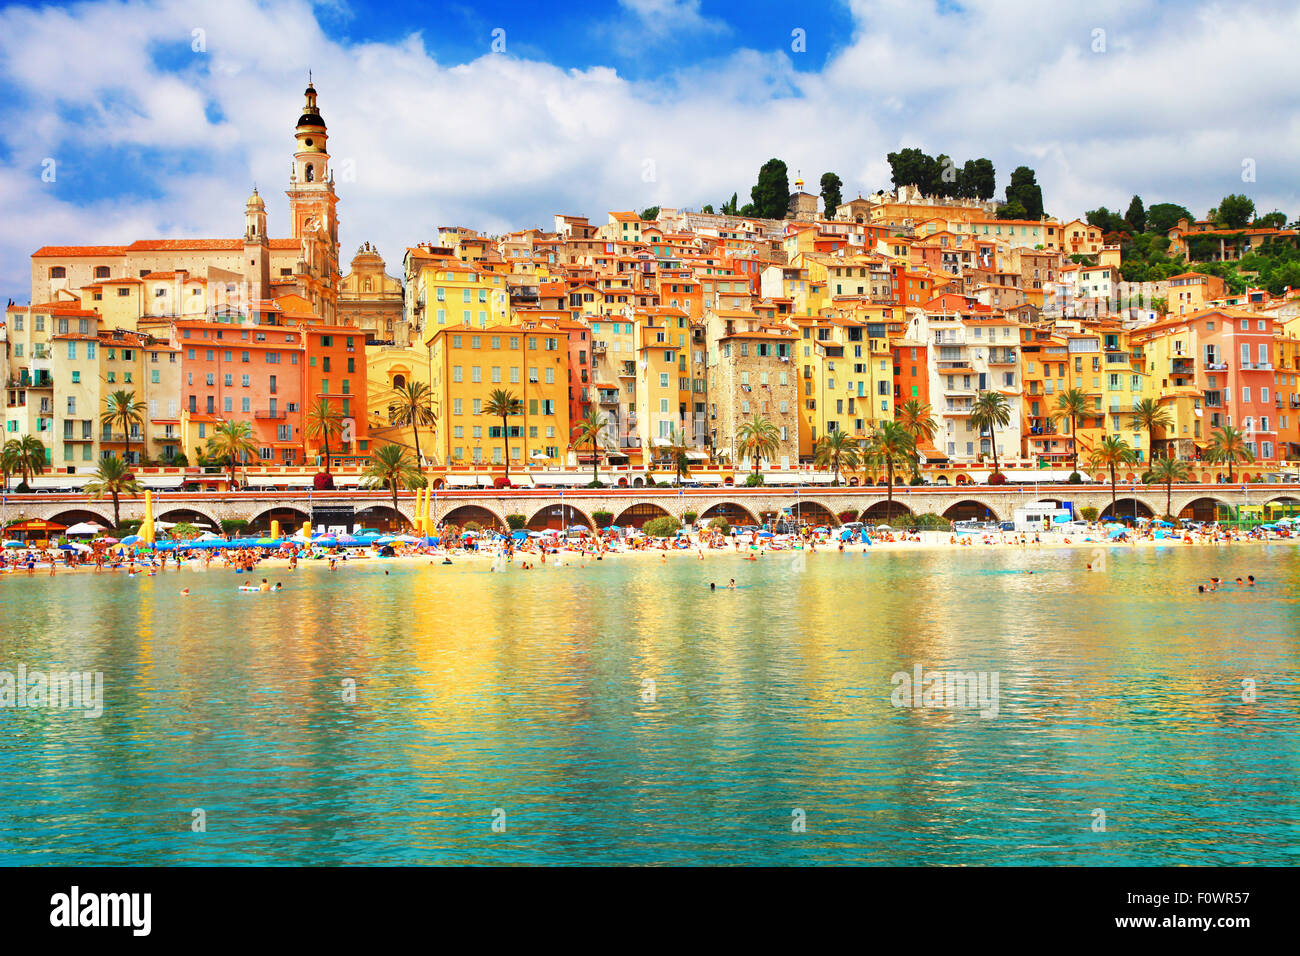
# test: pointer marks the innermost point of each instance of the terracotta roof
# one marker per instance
(71, 251)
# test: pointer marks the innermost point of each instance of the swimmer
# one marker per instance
(1239, 581)
(1200, 589)
(185, 592)
(278, 586)
(264, 586)
(731, 585)
(1250, 578)
(712, 586)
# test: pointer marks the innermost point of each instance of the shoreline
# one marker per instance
(928, 541)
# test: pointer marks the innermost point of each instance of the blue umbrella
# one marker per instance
(66, 547)
(348, 541)
(131, 539)
(385, 539)
(520, 535)
(765, 534)
(166, 546)
(1118, 532)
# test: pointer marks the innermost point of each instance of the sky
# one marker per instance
(134, 119)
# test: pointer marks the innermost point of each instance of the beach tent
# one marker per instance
(83, 527)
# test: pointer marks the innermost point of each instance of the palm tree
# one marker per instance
(414, 408)
(232, 441)
(1149, 414)
(991, 410)
(1166, 471)
(890, 444)
(589, 429)
(836, 450)
(503, 404)
(390, 465)
(757, 439)
(114, 478)
(25, 456)
(124, 409)
(916, 418)
(8, 461)
(1229, 444)
(1072, 405)
(1111, 452)
(323, 419)
(676, 450)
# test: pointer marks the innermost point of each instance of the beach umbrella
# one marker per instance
(66, 547)
(765, 534)
(407, 538)
(349, 541)
(13, 544)
(363, 532)
(520, 535)
(469, 534)
(132, 539)
(288, 544)
(208, 536)
(106, 540)
(81, 546)
(385, 539)
(324, 539)
(1118, 532)
(1164, 524)
(268, 542)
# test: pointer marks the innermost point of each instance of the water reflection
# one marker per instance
(524, 692)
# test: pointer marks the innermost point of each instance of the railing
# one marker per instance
(269, 415)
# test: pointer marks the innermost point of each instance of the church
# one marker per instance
(146, 284)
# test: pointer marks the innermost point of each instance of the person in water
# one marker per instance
(731, 585)
(1250, 580)
(280, 587)
(264, 586)
(712, 586)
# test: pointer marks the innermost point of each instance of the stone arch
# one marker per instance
(813, 512)
(290, 519)
(463, 514)
(100, 516)
(380, 517)
(557, 517)
(1282, 506)
(1200, 508)
(638, 514)
(968, 509)
(1130, 507)
(190, 515)
(735, 514)
(886, 511)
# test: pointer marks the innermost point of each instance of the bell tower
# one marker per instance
(257, 248)
(312, 211)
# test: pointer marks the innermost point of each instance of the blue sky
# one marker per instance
(159, 115)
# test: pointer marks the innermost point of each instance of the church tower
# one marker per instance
(312, 212)
(257, 248)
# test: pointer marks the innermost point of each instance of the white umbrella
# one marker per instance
(84, 527)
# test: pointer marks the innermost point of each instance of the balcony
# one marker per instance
(1117, 358)
(599, 348)
(1216, 366)
(162, 435)
(1182, 366)
(1003, 357)
(270, 415)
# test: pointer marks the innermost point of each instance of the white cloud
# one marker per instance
(1169, 111)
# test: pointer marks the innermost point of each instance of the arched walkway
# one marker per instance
(188, 515)
(733, 513)
(77, 515)
(463, 515)
(558, 517)
(381, 518)
(971, 510)
(290, 519)
(886, 511)
(1202, 509)
(1126, 508)
(637, 515)
(1282, 506)
(814, 513)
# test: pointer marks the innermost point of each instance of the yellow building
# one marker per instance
(467, 364)
(453, 294)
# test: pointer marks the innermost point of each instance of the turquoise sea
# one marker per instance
(623, 713)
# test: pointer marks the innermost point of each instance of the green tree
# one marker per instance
(650, 215)
(1136, 216)
(1272, 220)
(1228, 444)
(1163, 216)
(589, 429)
(676, 451)
(889, 445)
(1111, 452)
(113, 478)
(729, 208)
(757, 439)
(831, 198)
(26, 458)
(913, 167)
(413, 407)
(1072, 405)
(1013, 210)
(708, 209)
(837, 450)
(915, 417)
(771, 195)
(1024, 189)
(123, 409)
(665, 526)
(1166, 471)
(232, 441)
(992, 411)
(1234, 211)
(978, 180)
(391, 466)
(1149, 414)
(322, 420)
(502, 404)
